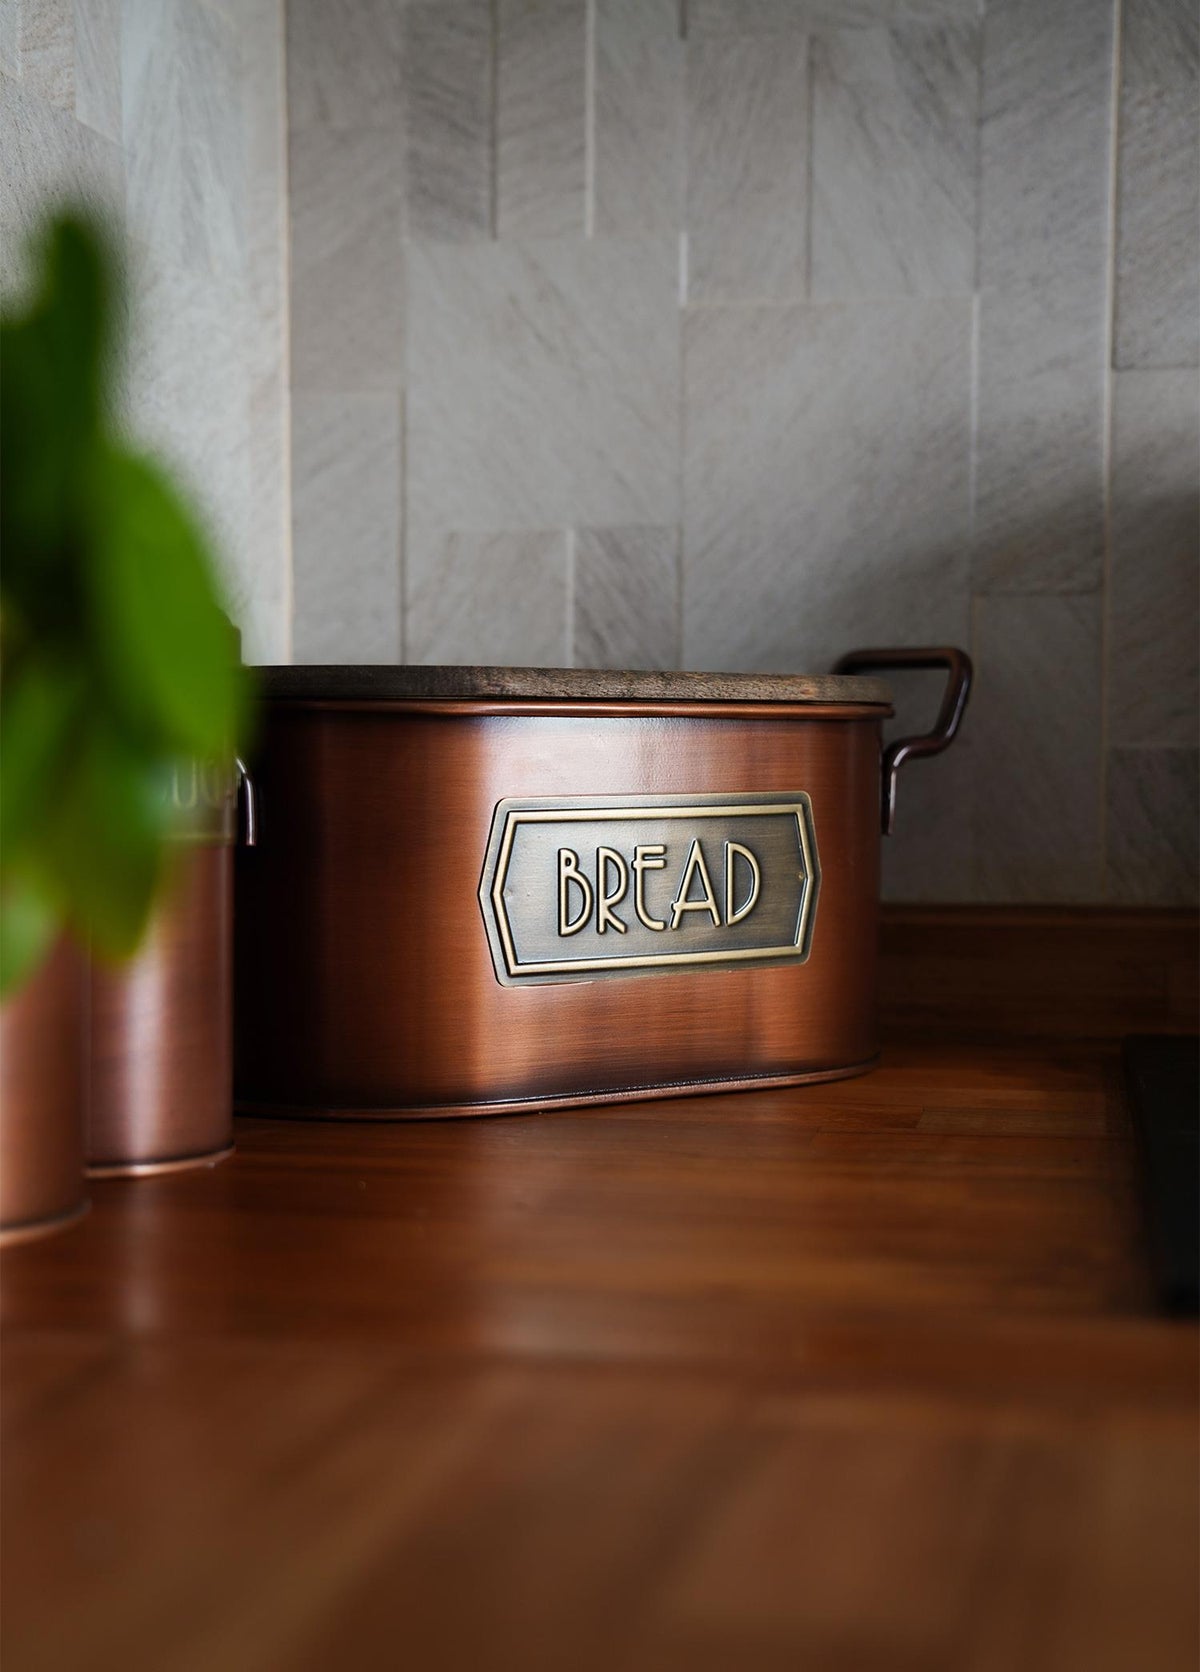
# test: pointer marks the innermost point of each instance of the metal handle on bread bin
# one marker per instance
(247, 805)
(958, 688)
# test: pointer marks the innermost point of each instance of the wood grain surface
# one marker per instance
(412, 680)
(856, 1376)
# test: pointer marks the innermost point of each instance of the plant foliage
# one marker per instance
(116, 661)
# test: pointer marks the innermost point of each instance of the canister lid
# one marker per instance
(414, 682)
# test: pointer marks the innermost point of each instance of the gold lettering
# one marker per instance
(681, 903)
(568, 873)
(604, 900)
(747, 906)
(647, 858)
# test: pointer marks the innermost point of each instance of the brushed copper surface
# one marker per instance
(160, 1071)
(42, 1099)
(532, 1105)
(153, 1169)
(365, 984)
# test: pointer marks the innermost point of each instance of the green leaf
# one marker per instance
(55, 358)
(40, 719)
(166, 647)
(81, 280)
(36, 498)
(117, 658)
(29, 923)
(105, 844)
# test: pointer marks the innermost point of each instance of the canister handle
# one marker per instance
(247, 805)
(958, 688)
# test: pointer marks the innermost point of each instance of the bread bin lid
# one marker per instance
(414, 682)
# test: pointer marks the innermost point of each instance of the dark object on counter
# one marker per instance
(490, 890)
(160, 1070)
(42, 1099)
(1162, 1084)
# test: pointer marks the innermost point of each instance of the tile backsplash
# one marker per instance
(168, 115)
(705, 333)
(733, 333)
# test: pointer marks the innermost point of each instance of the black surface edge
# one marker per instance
(1162, 1086)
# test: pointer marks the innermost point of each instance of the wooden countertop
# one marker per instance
(856, 1376)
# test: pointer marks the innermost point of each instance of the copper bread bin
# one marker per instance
(490, 890)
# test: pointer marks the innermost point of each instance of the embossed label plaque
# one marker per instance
(582, 888)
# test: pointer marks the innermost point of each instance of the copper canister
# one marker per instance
(161, 1050)
(42, 1038)
(494, 890)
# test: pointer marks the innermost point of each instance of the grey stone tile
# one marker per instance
(1044, 145)
(343, 63)
(1158, 185)
(152, 124)
(48, 50)
(826, 480)
(895, 125)
(195, 350)
(265, 132)
(639, 79)
(1043, 323)
(1037, 749)
(705, 18)
(266, 622)
(346, 475)
(1154, 579)
(540, 118)
(735, 17)
(447, 67)
(929, 855)
(626, 596)
(98, 65)
(189, 400)
(346, 279)
(267, 627)
(214, 140)
(1039, 468)
(493, 598)
(1153, 821)
(49, 159)
(10, 39)
(543, 384)
(939, 11)
(747, 159)
(183, 132)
